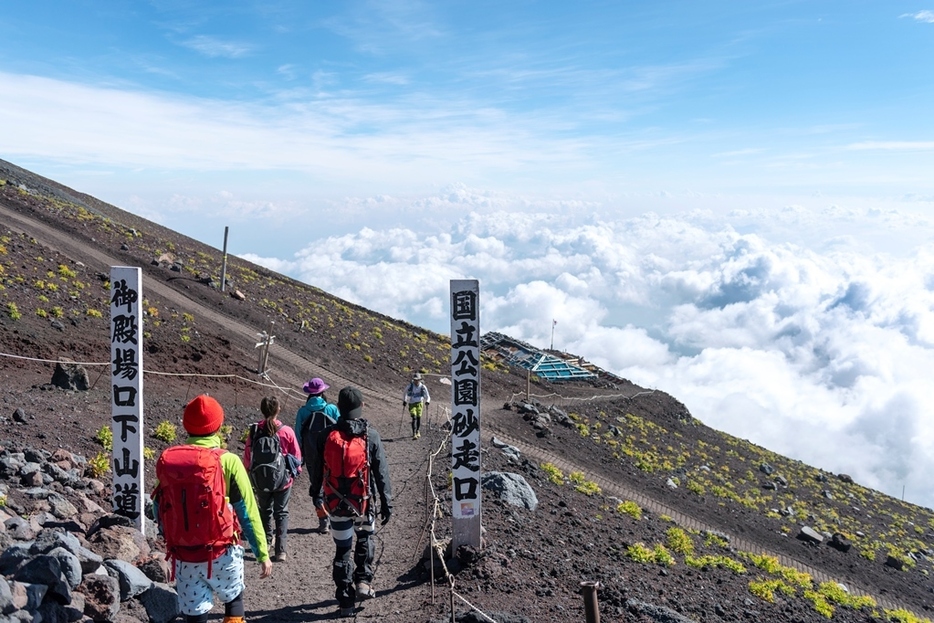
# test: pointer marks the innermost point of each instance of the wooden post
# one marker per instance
(224, 263)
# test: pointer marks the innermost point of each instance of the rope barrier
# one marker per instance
(270, 384)
(436, 547)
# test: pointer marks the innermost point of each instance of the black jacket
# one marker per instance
(380, 484)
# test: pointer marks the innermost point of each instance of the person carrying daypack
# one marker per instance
(349, 472)
(273, 458)
(204, 503)
(415, 399)
(312, 418)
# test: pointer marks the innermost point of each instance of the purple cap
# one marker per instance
(315, 386)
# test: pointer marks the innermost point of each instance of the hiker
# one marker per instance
(273, 459)
(416, 399)
(312, 418)
(350, 470)
(202, 543)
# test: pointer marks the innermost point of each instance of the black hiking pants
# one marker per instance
(349, 572)
(274, 512)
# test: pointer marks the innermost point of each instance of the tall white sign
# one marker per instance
(126, 374)
(465, 410)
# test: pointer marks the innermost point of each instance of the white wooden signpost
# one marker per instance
(465, 411)
(126, 374)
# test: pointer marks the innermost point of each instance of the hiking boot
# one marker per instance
(417, 434)
(345, 613)
(323, 525)
(365, 591)
(281, 557)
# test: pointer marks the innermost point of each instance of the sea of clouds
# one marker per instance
(807, 331)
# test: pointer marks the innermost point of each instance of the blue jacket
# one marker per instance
(314, 403)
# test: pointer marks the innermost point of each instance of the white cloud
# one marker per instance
(214, 47)
(892, 146)
(921, 16)
(812, 351)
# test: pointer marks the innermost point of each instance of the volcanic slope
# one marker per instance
(671, 517)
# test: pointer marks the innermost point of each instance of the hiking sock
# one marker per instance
(234, 607)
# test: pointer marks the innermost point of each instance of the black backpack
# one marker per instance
(267, 464)
(311, 430)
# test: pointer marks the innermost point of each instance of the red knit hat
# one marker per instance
(203, 416)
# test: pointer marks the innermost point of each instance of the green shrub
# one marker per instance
(630, 508)
(679, 541)
(99, 465)
(165, 431)
(582, 485)
(553, 473)
(105, 437)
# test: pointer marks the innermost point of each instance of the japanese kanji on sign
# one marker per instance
(465, 410)
(126, 375)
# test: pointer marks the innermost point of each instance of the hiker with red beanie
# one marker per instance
(201, 491)
(349, 472)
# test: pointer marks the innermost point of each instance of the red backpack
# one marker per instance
(197, 521)
(346, 473)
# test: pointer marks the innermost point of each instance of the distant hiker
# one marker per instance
(201, 491)
(273, 459)
(416, 399)
(312, 418)
(350, 469)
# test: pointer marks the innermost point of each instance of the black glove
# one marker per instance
(404, 404)
(317, 501)
(385, 512)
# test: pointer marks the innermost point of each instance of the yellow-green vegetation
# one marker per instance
(641, 553)
(628, 507)
(165, 431)
(712, 539)
(723, 562)
(105, 437)
(13, 311)
(66, 273)
(553, 474)
(582, 485)
(766, 589)
(94, 313)
(679, 541)
(99, 464)
(900, 615)
(771, 566)
(224, 431)
(906, 561)
(148, 453)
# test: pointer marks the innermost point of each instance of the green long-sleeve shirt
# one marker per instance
(239, 494)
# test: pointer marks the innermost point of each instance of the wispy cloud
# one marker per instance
(892, 146)
(388, 78)
(217, 48)
(921, 16)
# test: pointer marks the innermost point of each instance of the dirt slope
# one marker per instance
(202, 339)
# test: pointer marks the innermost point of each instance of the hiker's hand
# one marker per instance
(385, 512)
(404, 404)
(266, 569)
(318, 502)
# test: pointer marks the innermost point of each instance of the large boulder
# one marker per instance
(511, 488)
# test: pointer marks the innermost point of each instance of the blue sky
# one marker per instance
(731, 202)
